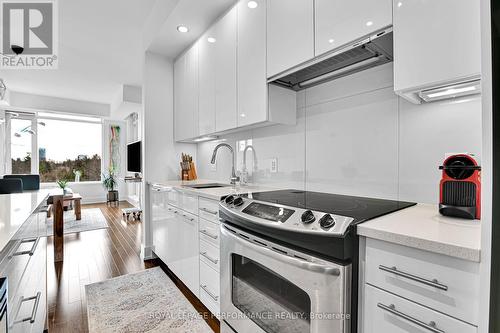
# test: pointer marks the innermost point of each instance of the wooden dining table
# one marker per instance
(56, 199)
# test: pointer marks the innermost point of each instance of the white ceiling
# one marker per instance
(100, 49)
(102, 43)
(197, 15)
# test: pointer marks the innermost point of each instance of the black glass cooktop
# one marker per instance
(359, 208)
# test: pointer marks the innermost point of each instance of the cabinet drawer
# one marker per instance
(385, 312)
(29, 303)
(189, 203)
(173, 197)
(15, 265)
(209, 232)
(446, 284)
(209, 209)
(209, 254)
(209, 288)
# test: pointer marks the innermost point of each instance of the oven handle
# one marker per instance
(300, 263)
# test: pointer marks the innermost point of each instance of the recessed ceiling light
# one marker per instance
(369, 23)
(182, 28)
(331, 41)
(400, 4)
(211, 39)
(252, 4)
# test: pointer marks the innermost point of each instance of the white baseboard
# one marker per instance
(147, 252)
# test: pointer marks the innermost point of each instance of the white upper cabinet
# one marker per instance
(252, 78)
(290, 34)
(436, 43)
(339, 22)
(186, 95)
(225, 69)
(220, 83)
(206, 76)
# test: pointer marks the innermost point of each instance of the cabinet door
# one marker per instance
(159, 223)
(252, 83)
(188, 249)
(172, 237)
(179, 92)
(290, 34)
(186, 85)
(435, 42)
(225, 65)
(206, 70)
(339, 22)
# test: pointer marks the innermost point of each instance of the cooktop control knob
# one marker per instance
(238, 201)
(229, 199)
(326, 221)
(308, 217)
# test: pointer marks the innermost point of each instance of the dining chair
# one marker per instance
(13, 185)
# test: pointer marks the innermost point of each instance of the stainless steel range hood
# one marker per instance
(372, 51)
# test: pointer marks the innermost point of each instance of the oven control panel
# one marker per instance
(285, 217)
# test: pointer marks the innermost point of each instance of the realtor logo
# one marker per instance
(29, 34)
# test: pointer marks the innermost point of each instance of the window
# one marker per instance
(21, 136)
(69, 149)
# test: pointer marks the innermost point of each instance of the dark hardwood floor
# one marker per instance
(93, 256)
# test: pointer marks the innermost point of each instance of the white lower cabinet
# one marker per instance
(188, 243)
(210, 288)
(209, 254)
(410, 290)
(175, 238)
(388, 313)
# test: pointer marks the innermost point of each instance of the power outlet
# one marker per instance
(213, 167)
(274, 165)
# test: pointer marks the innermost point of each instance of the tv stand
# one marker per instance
(134, 212)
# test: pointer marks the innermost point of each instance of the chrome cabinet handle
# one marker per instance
(205, 232)
(392, 309)
(30, 251)
(206, 210)
(31, 318)
(215, 261)
(433, 283)
(204, 287)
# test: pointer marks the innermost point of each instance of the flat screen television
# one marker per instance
(134, 157)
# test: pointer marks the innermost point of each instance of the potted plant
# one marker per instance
(109, 181)
(63, 184)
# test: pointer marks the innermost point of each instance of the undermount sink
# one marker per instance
(209, 185)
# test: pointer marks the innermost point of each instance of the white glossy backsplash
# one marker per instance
(355, 136)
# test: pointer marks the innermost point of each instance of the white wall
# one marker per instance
(161, 155)
(355, 136)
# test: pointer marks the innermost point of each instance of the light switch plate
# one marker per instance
(274, 165)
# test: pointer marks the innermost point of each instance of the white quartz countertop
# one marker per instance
(215, 193)
(15, 210)
(422, 227)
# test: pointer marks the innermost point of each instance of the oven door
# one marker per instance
(266, 287)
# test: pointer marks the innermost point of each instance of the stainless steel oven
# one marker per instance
(267, 287)
(289, 259)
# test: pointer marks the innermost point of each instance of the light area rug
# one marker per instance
(147, 301)
(92, 219)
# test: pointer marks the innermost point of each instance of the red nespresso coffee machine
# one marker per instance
(460, 187)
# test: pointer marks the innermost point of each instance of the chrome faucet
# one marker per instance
(244, 172)
(234, 178)
(245, 157)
